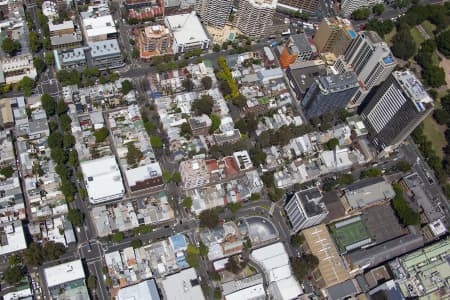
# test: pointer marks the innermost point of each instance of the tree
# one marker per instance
(134, 155)
(234, 207)
(49, 58)
(176, 177)
(101, 134)
(402, 3)
(32, 256)
(187, 203)
(55, 140)
(66, 122)
(297, 240)
(301, 267)
(35, 42)
(215, 123)
(61, 108)
(26, 85)
(406, 214)
(403, 46)
(216, 47)
(203, 105)
(192, 256)
(374, 172)
(258, 156)
(47, 44)
(331, 144)
(117, 237)
(240, 101)
(187, 84)
(186, 130)
(209, 218)
(135, 53)
(156, 141)
(92, 282)
(207, 82)
(49, 104)
(217, 293)
(12, 275)
(441, 116)
(203, 250)
(39, 64)
(434, 76)
(224, 88)
(403, 166)
(68, 141)
(7, 171)
(443, 43)
(10, 46)
(127, 86)
(361, 14)
(52, 250)
(378, 9)
(255, 196)
(75, 216)
(234, 265)
(380, 26)
(73, 158)
(136, 244)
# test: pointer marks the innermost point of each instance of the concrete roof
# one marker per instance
(321, 245)
(12, 238)
(102, 178)
(64, 273)
(368, 191)
(252, 292)
(342, 290)
(99, 25)
(144, 290)
(186, 28)
(104, 48)
(183, 286)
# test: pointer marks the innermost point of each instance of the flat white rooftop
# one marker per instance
(183, 286)
(99, 26)
(144, 290)
(252, 292)
(64, 273)
(186, 29)
(13, 238)
(102, 179)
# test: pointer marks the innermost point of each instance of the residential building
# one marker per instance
(13, 69)
(144, 290)
(106, 54)
(367, 192)
(144, 177)
(214, 12)
(66, 280)
(371, 59)
(99, 28)
(6, 113)
(296, 49)
(194, 173)
(188, 33)
(254, 17)
(398, 106)
(64, 35)
(349, 6)
(274, 261)
(334, 35)
(153, 41)
(12, 238)
(296, 5)
(329, 94)
(102, 179)
(305, 209)
(331, 269)
(141, 9)
(302, 75)
(71, 59)
(200, 125)
(182, 285)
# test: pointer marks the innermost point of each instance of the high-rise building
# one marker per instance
(397, 107)
(153, 41)
(371, 59)
(297, 49)
(308, 5)
(334, 35)
(255, 17)
(329, 94)
(214, 12)
(349, 6)
(305, 209)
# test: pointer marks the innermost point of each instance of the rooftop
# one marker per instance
(183, 285)
(62, 26)
(64, 273)
(104, 48)
(338, 82)
(12, 238)
(311, 200)
(186, 28)
(144, 290)
(101, 25)
(413, 87)
(103, 179)
(350, 234)
(368, 191)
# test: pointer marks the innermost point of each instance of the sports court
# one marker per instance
(350, 234)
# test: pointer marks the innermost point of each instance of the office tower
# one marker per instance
(308, 5)
(214, 12)
(396, 109)
(305, 209)
(349, 6)
(255, 17)
(371, 59)
(334, 35)
(297, 49)
(329, 94)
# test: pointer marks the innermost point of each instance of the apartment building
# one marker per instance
(153, 41)
(214, 12)
(334, 35)
(13, 69)
(255, 17)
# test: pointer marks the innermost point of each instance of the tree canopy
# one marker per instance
(101, 134)
(361, 14)
(304, 265)
(209, 218)
(75, 216)
(378, 9)
(127, 86)
(403, 46)
(49, 104)
(10, 46)
(203, 105)
(207, 82)
(443, 43)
